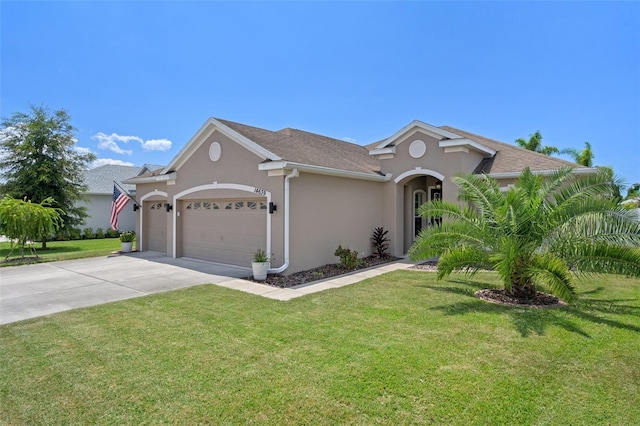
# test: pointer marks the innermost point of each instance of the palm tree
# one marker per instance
(584, 157)
(534, 143)
(536, 234)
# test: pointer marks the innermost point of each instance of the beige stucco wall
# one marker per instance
(398, 197)
(328, 211)
(325, 211)
(236, 165)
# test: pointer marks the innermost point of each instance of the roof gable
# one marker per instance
(513, 159)
(204, 132)
(448, 140)
(308, 148)
(410, 128)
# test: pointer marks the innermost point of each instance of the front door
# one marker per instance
(436, 194)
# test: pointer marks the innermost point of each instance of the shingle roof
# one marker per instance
(511, 158)
(100, 179)
(149, 168)
(309, 148)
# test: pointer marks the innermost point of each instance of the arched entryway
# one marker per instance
(416, 188)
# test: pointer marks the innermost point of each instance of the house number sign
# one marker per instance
(260, 191)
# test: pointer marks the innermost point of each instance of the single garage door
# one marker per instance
(156, 224)
(225, 231)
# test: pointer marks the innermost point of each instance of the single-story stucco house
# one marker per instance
(234, 188)
(99, 193)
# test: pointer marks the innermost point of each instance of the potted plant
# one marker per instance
(260, 265)
(126, 239)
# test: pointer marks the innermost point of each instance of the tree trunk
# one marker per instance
(525, 291)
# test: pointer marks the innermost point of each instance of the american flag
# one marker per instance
(118, 202)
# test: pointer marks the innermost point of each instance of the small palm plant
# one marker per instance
(535, 233)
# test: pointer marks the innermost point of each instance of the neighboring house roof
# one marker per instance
(99, 180)
(511, 158)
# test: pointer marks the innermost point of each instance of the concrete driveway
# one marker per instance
(34, 290)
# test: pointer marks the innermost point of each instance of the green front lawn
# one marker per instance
(60, 250)
(401, 348)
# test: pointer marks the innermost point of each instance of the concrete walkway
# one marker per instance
(31, 291)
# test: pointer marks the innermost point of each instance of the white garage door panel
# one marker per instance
(156, 226)
(223, 235)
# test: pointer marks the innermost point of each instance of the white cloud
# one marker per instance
(103, 161)
(82, 150)
(348, 139)
(156, 145)
(113, 141)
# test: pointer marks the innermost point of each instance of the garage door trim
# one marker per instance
(144, 197)
(237, 186)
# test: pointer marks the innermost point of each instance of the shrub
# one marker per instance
(127, 237)
(348, 258)
(99, 233)
(380, 242)
(260, 256)
(112, 233)
(61, 235)
(74, 234)
(88, 233)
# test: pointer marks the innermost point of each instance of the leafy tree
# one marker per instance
(533, 234)
(633, 191)
(534, 143)
(24, 221)
(39, 161)
(617, 186)
(584, 157)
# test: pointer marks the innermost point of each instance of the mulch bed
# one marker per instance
(320, 273)
(22, 260)
(500, 297)
(430, 265)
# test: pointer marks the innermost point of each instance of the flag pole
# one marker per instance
(126, 193)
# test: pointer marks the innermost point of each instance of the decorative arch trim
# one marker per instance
(152, 194)
(418, 172)
(215, 185)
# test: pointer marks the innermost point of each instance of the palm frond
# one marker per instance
(552, 273)
(467, 259)
(601, 257)
(613, 226)
(483, 193)
(435, 240)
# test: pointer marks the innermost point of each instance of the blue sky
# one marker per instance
(140, 78)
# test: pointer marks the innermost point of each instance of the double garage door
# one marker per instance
(225, 231)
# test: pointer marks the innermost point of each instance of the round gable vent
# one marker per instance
(215, 151)
(417, 149)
